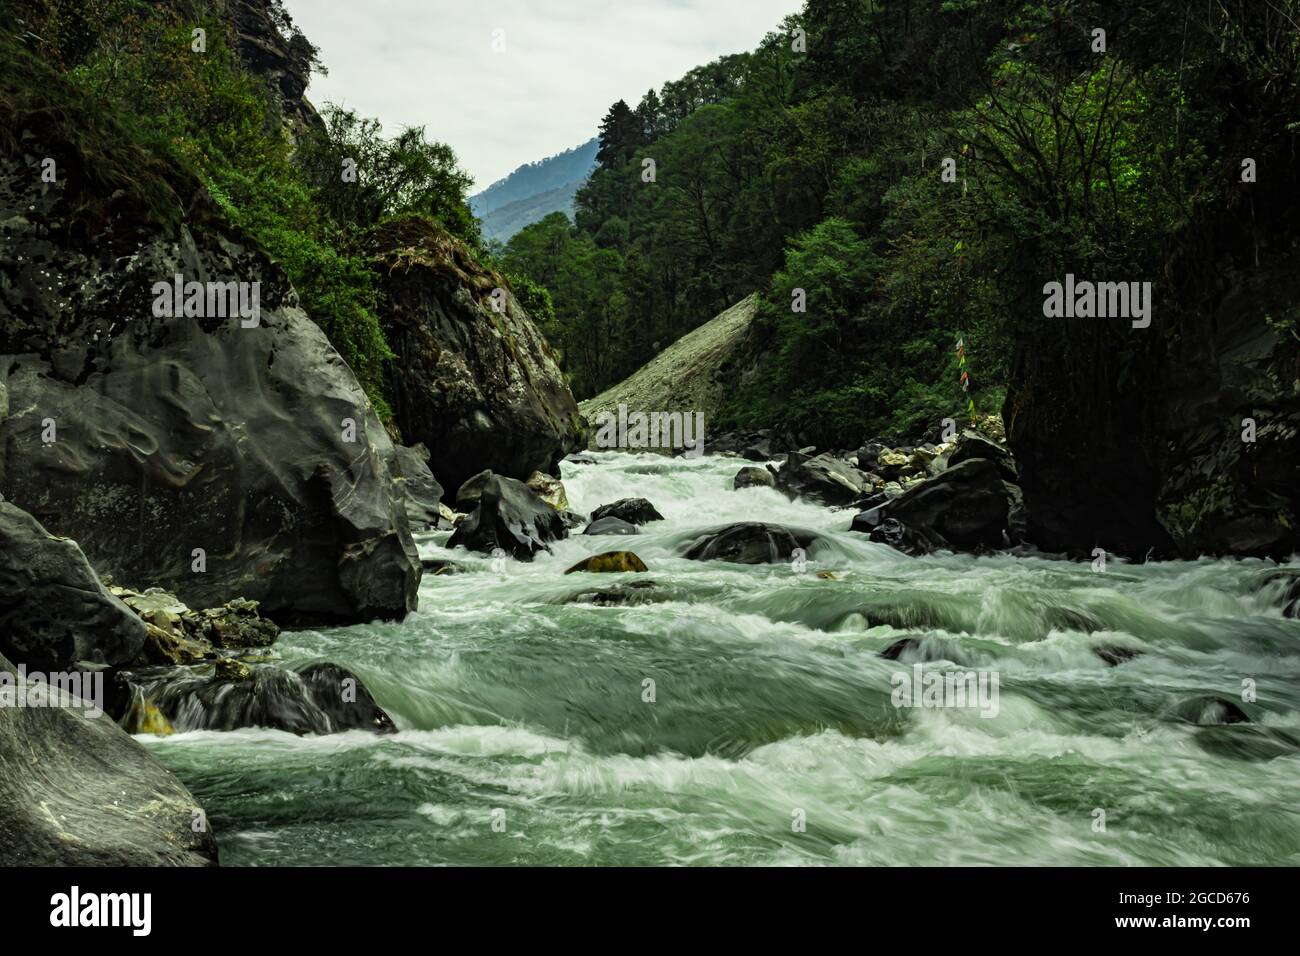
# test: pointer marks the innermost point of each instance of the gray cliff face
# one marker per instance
(145, 438)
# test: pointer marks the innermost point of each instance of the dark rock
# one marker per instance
(632, 510)
(872, 513)
(749, 542)
(822, 479)
(1115, 654)
(441, 566)
(867, 455)
(911, 650)
(971, 444)
(54, 611)
(468, 493)
(511, 517)
(964, 509)
(1209, 710)
(753, 477)
(1283, 587)
(572, 519)
(618, 595)
(901, 537)
(611, 525)
(480, 388)
(77, 791)
(255, 444)
(579, 459)
(422, 493)
(319, 698)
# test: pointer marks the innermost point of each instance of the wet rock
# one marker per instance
(609, 562)
(54, 611)
(822, 479)
(971, 444)
(441, 566)
(1116, 654)
(509, 516)
(901, 537)
(1209, 709)
(964, 509)
(179, 635)
(619, 595)
(471, 489)
(749, 542)
(579, 459)
(631, 510)
(421, 491)
(1283, 587)
(611, 525)
(912, 650)
(471, 377)
(550, 490)
(77, 791)
(754, 477)
(318, 698)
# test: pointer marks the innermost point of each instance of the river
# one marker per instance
(529, 733)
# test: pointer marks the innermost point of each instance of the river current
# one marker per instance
(738, 715)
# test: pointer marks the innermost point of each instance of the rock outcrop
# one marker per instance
(632, 510)
(479, 387)
(54, 611)
(216, 455)
(78, 791)
(823, 479)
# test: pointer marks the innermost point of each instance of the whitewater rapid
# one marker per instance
(526, 735)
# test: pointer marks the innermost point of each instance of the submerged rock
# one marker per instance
(617, 595)
(1284, 588)
(54, 611)
(609, 561)
(1116, 654)
(320, 698)
(749, 542)
(509, 516)
(631, 510)
(611, 525)
(1209, 709)
(77, 791)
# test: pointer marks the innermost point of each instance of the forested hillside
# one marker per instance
(919, 170)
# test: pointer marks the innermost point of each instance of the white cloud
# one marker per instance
(431, 63)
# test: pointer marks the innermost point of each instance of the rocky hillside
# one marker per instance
(691, 375)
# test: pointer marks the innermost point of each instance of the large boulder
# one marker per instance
(823, 479)
(54, 612)
(965, 509)
(471, 376)
(421, 491)
(971, 444)
(219, 457)
(752, 476)
(611, 525)
(511, 517)
(749, 542)
(76, 790)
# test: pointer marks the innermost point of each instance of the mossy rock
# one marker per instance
(610, 561)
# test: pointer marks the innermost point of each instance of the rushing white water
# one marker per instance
(525, 736)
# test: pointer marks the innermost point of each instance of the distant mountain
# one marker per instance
(534, 191)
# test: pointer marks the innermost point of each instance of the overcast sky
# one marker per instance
(431, 63)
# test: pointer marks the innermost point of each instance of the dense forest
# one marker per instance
(919, 170)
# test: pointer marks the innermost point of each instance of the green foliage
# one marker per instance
(205, 112)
